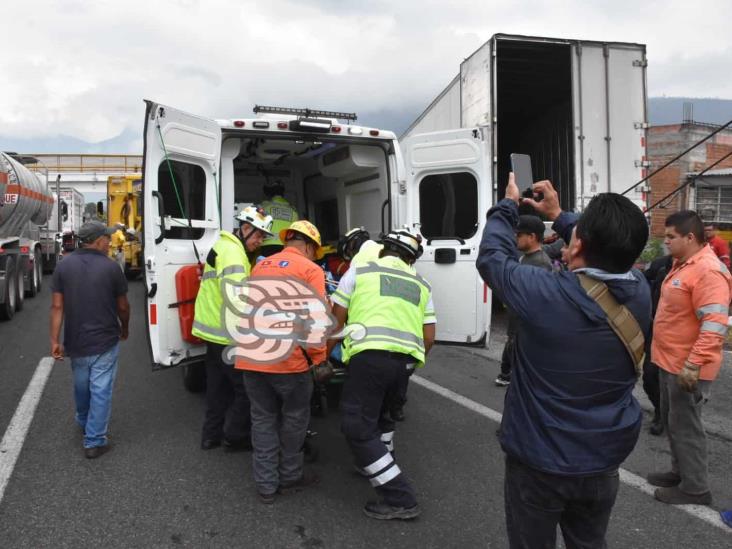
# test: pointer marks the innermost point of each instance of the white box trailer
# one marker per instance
(71, 208)
(577, 107)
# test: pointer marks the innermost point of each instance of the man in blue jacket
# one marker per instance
(570, 418)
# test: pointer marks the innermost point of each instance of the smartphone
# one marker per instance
(521, 168)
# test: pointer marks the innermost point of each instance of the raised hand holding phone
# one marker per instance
(548, 205)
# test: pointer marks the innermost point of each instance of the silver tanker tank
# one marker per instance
(24, 198)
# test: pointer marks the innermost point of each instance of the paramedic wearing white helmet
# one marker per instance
(389, 310)
(227, 419)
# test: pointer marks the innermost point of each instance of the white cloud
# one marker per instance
(82, 68)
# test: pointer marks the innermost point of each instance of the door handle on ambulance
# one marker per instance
(445, 256)
(161, 213)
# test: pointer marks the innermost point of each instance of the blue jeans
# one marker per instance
(93, 384)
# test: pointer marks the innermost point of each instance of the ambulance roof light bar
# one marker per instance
(351, 116)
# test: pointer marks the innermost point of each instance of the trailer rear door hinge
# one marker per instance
(642, 163)
(640, 125)
(640, 63)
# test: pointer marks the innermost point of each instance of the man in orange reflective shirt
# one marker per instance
(280, 392)
(717, 243)
(688, 334)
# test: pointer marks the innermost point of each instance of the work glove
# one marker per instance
(322, 372)
(688, 377)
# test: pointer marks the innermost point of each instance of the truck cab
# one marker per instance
(338, 175)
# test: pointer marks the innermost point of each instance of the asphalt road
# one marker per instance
(156, 488)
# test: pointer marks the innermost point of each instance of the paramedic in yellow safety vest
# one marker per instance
(227, 419)
(117, 245)
(390, 321)
(357, 248)
(282, 213)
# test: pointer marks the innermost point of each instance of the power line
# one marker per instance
(689, 182)
(674, 159)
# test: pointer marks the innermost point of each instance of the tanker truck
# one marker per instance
(25, 205)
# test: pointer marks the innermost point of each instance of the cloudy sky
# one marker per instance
(81, 69)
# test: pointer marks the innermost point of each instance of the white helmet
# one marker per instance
(405, 241)
(257, 218)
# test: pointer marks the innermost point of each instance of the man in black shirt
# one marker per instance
(90, 299)
(529, 240)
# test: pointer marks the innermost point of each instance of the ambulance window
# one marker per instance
(448, 205)
(184, 196)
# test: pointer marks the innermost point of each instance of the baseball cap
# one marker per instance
(530, 224)
(91, 230)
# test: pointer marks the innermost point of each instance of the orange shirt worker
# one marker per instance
(280, 391)
(688, 334)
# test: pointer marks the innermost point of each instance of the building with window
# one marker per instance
(711, 193)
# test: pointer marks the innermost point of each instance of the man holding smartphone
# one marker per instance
(570, 418)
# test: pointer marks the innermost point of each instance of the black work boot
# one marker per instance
(381, 510)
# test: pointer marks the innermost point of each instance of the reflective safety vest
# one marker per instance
(226, 260)
(389, 300)
(283, 214)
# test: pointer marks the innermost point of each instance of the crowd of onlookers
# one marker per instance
(584, 325)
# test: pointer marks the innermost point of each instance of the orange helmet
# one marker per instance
(307, 229)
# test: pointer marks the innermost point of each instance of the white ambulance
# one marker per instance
(338, 175)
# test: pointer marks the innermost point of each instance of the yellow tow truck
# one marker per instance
(123, 209)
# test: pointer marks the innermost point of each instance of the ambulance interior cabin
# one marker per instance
(336, 184)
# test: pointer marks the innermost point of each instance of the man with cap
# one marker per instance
(280, 392)
(90, 300)
(529, 240)
(282, 213)
(227, 418)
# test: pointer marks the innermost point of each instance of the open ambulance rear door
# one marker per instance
(448, 195)
(181, 221)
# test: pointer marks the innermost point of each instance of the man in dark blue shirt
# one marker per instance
(570, 418)
(90, 299)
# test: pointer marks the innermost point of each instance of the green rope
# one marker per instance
(177, 194)
(170, 169)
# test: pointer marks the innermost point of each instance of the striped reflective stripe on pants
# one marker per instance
(382, 470)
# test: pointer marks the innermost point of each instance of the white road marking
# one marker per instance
(707, 514)
(17, 430)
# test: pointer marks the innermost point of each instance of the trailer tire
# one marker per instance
(7, 307)
(19, 286)
(194, 376)
(36, 275)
